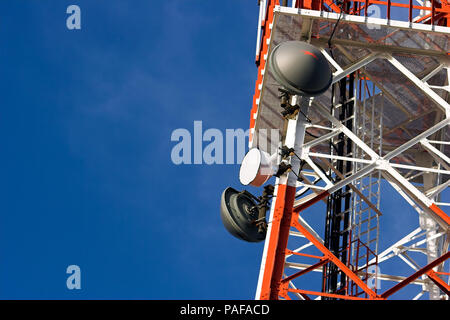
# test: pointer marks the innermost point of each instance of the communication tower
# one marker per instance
(382, 123)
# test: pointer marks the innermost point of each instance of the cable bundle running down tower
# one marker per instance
(359, 105)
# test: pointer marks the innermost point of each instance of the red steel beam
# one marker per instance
(439, 282)
(415, 275)
(312, 201)
(327, 253)
(283, 236)
(286, 216)
(440, 213)
(260, 61)
(324, 294)
(277, 242)
(302, 272)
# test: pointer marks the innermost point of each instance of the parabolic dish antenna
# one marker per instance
(239, 213)
(300, 68)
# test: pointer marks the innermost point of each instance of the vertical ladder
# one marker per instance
(339, 204)
(365, 220)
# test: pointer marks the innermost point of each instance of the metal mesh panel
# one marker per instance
(407, 111)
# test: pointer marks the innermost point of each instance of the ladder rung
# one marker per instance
(347, 174)
(362, 211)
(347, 192)
(345, 230)
(368, 219)
(363, 256)
(367, 244)
(346, 119)
(371, 229)
(365, 187)
(341, 214)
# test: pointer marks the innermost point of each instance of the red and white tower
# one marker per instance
(384, 121)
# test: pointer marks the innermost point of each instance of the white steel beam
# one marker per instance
(357, 65)
(432, 73)
(437, 190)
(433, 150)
(321, 139)
(331, 60)
(416, 168)
(317, 170)
(326, 114)
(417, 139)
(388, 253)
(402, 193)
(420, 294)
(384, 277)
(262, 16)
(421, 85)
(439, 142)
(334, 157)
(395, 165)
(408, 262)
(383, 163)
(333, 16)
(424, 202)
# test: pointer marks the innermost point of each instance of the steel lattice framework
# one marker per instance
(394, 78)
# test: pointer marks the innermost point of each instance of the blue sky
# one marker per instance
(85, 174)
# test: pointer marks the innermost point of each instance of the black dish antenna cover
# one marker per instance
(237, 216)
(300, 68)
